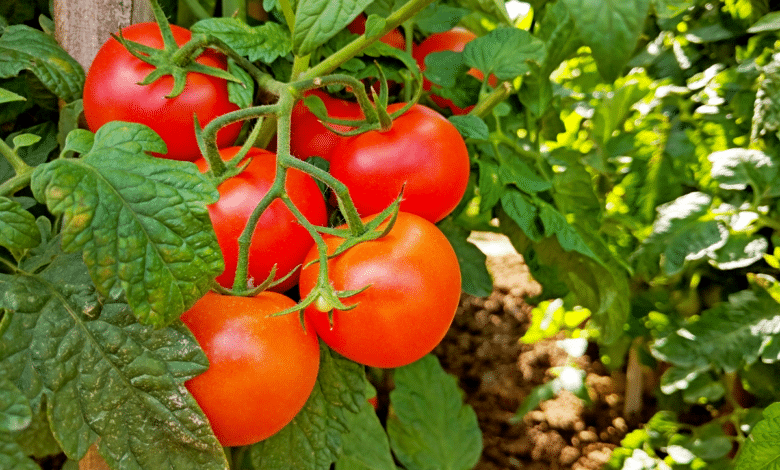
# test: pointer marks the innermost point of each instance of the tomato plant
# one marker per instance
(393, 38)
(452, 40)
(309, 137)
(262, 368)
(112, 92)
(279, 240)
(413, 281)
(422, 153)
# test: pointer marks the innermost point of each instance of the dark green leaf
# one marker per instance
(514, 171)
(555, 224)
(316, 21)
(504, 52)
(438, 17)
(768, 23)
(740, 251)
(471, 127)
(682, 232)
(475, 278)
(8, 96)
(69, 120)
(34, 154)
(490, 186)
(312, 441)
(762, 448)
(704, 389)
(611, 28)
(726, 337)
(444, 67)
(18, 230)
(12, 456)
(109, 376)
(598, 286)
(522, 212)
(431, 428)
(560, 36)
(672, 8)
(738, 168)
(15, 412)
(140, 221)
(25, 48)
(365, 445)
(612, 111)
(265, 43)
(241, 94)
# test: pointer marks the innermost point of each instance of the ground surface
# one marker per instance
(497, 372)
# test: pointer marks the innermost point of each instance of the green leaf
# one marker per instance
(672, 8)
(740, 251)
(612, 111)
(12, 456)
(726, 337)
(762, 448)
(489, 184)
(312, 441)
(316, 21)
(555, 224)
(242, 94)
(767, 23)
(18, 230)
(514, 171)
(431, 428)
(475, 278)
(140, 221)
(601, 287)
(522, 212)
(537, 395)
(445, 67)
(438, 17)
(15, 412)
(503, 52)
(738, 168)
(266, 42)
(682, 232)
(471, 127)
(33, 154)
(560, 36)
(611, 28)
(7, 96)
(25, 48)
(365, 445)
(108, 376)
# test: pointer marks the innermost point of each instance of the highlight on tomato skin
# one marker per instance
(415, 288)
(279, 239)
(422, 152)
(262, 368)
(112, 93)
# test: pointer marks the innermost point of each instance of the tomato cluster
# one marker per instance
(262, 366)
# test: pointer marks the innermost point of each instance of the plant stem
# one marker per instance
(357, 46)
(21, 168)
(197, 9)
(289, 14)
(497, 96)
(19, 165)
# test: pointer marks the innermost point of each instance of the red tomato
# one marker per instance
(309, 137)
(262, 369)
(279, 238)
(453, 40)
(414, 281)
(112, 93)
(422, 150)
(393, 38)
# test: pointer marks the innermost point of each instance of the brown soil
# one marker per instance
(497, 372)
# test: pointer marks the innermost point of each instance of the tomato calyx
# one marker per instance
(171, 60)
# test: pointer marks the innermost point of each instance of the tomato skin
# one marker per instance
(392, 38)
(112, 93)
(453, 40)
(262, 369)
(279, 238)
(414, 291)
(309, 137)
(422, 150)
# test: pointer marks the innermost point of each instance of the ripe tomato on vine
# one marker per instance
(112, 92)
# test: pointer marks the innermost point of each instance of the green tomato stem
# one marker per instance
(289, 14)
(497, 96)
(357, 46)
(197, 9)
(21, 168)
